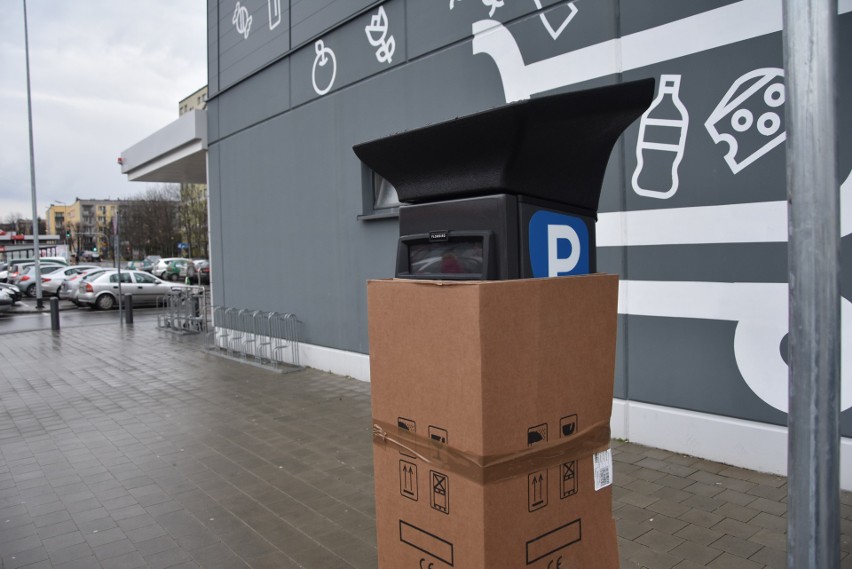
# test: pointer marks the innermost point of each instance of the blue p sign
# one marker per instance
(559, 245)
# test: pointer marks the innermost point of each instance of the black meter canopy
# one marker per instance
(507, 193)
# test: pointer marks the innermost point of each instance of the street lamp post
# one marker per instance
(39, 302)
(810, 61)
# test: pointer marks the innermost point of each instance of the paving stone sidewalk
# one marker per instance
(126, 447)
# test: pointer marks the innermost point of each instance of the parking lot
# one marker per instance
(24, 316)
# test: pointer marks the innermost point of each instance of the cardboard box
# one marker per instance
(491, 403)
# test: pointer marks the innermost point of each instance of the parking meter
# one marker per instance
(507, 193)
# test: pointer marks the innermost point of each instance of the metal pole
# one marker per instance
(117, 264)
(813, 521)
(37, 251)
(54, 314)
(128, 308)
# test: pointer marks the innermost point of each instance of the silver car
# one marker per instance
(69, 288)
(51, 283)
(18, 270)
(102, 290)
(159, 268)
(26, 281)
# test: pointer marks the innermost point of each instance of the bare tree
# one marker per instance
(20, 224)
(11, 221)
(72, 239)
(193, 218)
(149, 221)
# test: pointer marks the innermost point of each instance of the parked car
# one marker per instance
(149, 262)
(27, 281)
(101, 291)
(159, 269)
(177, 271)
(13, 291)
(18, 268)
(202, 270)
(54, 260)
(6, 301)
(173, 269)
(68, 290)
(51, 283)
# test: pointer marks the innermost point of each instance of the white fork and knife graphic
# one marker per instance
(759, 309)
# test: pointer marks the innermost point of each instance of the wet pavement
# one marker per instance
(25, 317)
(125, 447)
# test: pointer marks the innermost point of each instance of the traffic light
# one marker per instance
(95, 248)
(68, 233)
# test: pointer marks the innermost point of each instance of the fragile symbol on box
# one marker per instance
(568, 425)
(537, 434)
(440, 494)
(537, 490)
(408, 479)
(406, 425)
(568, 484)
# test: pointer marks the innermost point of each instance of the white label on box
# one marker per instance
(603, 469)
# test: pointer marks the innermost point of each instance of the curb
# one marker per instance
(19, 308)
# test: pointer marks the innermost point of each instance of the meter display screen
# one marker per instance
(446, 257)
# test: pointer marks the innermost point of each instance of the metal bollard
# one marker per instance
(54, 314)
(128, 308)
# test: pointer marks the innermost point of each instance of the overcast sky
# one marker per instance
(105, 74)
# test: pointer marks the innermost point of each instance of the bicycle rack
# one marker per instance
(184, 310)
(264, 338)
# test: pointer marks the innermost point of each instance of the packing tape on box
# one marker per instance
(494, 468)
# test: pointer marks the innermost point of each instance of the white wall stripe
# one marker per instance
(745, 444)
(708, 30)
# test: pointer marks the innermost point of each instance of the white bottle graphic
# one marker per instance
(662, 137)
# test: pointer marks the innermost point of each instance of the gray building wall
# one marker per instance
(287, 193)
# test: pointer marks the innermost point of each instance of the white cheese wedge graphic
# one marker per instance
(750, 117)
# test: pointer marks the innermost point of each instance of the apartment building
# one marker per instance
(86, 224)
